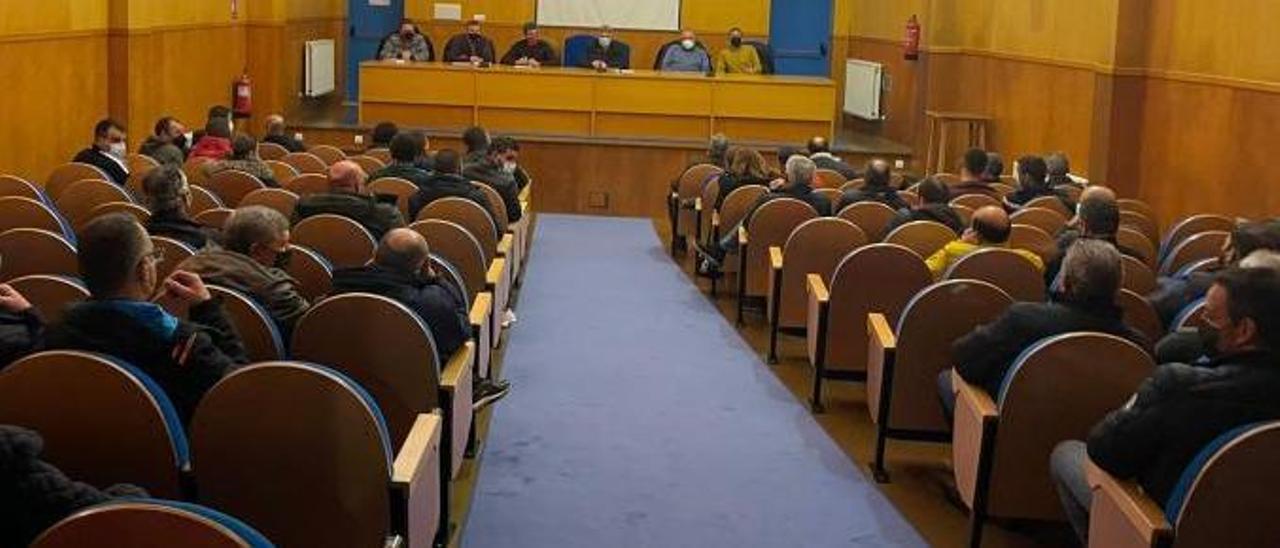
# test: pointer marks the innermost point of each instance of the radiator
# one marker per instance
(318, 73)
(863, 84)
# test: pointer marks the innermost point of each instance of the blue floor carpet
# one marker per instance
(639, 418)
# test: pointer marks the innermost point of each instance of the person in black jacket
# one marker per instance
(382, 135)
(21, 327)
(995, 168)
(406, 150)
(108, 151)
(975, 164)
(876, 188)
(820, 153)
(1176, 292)
(1097, 217)
(743, 167)
(531, 51)
(168, 196)
(1087, 302)
(276, 134)
(607, 53)
(172, 329)
(1031, 172)
(445, 182)
(349, 198)
(500, 170)
(470, 46)
(400, 271)
(34, 495)
(1181, 408)
(934, 206)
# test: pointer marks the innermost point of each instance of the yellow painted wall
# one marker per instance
(708, 16)
(1235, 39)
(52, 16)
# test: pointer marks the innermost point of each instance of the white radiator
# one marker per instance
(318, 77)
(863, 84)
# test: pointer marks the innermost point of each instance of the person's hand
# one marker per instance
(12, 301)
(181, 291)
(777, 183)
(476, 60)
(598, 64)
(969, 236)
(534, 63)
(406, 54)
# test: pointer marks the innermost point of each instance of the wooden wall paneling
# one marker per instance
(705, 16)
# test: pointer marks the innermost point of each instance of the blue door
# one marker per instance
(369, 22)
(800, 33)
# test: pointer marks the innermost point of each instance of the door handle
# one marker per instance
(822, 48)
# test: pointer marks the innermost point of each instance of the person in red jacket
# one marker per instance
(216, 143)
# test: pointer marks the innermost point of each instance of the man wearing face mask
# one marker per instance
(407, 45)
(686, 56)
(168, 144)
(256, 241)
(469, 47)
(1181, 408)
(531, 51)
(738, 58)
(108, 151)
(500, 169)
(607, 53)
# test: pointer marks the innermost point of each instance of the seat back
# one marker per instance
(298, 450)
(689, 187)
(81, 197)
(66, 174)
(341, 240)
(280, 171)
(872, 217)
(17, 212)
(964, 213)
(174, 251)
(307, 184)
(710, 192)
(1138, 277)
(1138, 245)
(381, 154)
(278, 199)
(1141, 223)
(195, 170)
(1197, 247)
(402, 189)
(1224, 497)
(1004, 269)
(1191, 317)
(312, 271)
(765, 52)
(50, 293)
(136, 211)
(1052, 203)
(269, 151)
(1056, 390)
(931, 321)
(1194, 225)
(497, 207)
(468, 215)
(257, 330)
(231, 186)
(949, 179)
(853, 184)
(103, 421)
(770, 225)
(736, 205)
(306, 162)
(975, 201)
(328, 153)
(1034, 240)
(213, 218)
(576, 48)
(1070, 192)
(879, 278)
(1136, 206)
(369, 164)
(827, 178)
(25, 251)
(923, 237)
(1140, 315)
(202, 200)
(12, 185)
(815, 247)
(151, 523)
(457, 245)
(1047, 220)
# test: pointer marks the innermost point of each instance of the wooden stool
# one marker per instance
(938, 135)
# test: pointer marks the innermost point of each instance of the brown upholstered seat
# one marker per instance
(1051, 203)
(1002, 268)
(173, 251)
(328, 153)
(402, 189)
(312, 271)
(1138, 278)
(689, 187)
(306, 162)
(136, 211)
(923, 237)
(141, 524)
(214, 218)
(975, 201)
(456, 244)
(382, 154)
(369, 164)
(1047, 220)
(12, 185)
(1140, 315)
(770, 225)
(1034, 240)
(66, 174)
(1193, 225)
(826, 178)
(281, 172)
(279, 199)
(1137, 244)
(470, 216)
(341, 240)
(271, 151)
(307, 184)
(1143, 224)
(202, 200)
(1198, 247)
(25, 251)
(253, 324)
(50, 293)
(872, 217)
(18, 212)
(79, 199)
(231, 186)
(815, 247)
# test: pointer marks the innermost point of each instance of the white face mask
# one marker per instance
(119, 150)
(686, 44)
(605, 41)
(231, 126)
(508, 167)
(191, 138)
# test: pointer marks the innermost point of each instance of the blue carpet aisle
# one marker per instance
(639, 418)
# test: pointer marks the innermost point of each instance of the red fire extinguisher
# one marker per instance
(912, 50)
(242, 97)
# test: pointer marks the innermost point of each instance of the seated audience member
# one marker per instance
(531, 51)
(476, 139)
(935, 200)
(975, 164)
(1181, 408)
(1086, 302)
(400, 272)
(798, 185)
(21, 327)
(820, 153)
(500, 170)
(1195, 345)
(738, 58)
(256, 249)
(1031, 173)
(407, 44)
(168, 144)
(717, 155)
(607, 53)
(406, 150)
(745, 167)
(382, 135)
(1059, 168)
(244, 157)
(1176, 292)
(995, 168)
(167, 197)
(172, 329)
(445, 182)
(108, 152)
(216, 143)
(876, 188)
(989, 228)
(1097, 218)
(276, 134)
(786, 152)
(215, 112)
(349, 198)
(35, 494)
(469, 47)
(685, 56)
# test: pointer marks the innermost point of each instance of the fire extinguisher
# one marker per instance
(242, 97)
(912, 50)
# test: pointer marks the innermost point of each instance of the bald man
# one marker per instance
(401, 271)
(989, 228)
(276, 134)
(348, 197)
(1097, 218)
(820, 152)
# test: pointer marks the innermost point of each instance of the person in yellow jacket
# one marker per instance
(738, 58)
(989, 228)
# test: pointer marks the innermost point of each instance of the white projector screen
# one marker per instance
(622, 14)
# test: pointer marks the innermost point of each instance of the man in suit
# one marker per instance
(276, 134)
(408, 45)
(532, 51)
(975, 164)
(349, 198)
(108, 151)
(469, 47)
(1181, 408)
(606, 53)
(820, 153)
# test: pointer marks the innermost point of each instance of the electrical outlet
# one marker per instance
(899, 164)
(598, 200)
(359, 140)
(297, 136)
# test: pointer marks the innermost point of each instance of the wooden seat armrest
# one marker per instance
(775, 257)
(1122, 514)
(480, 309)
(882, 345)
(505, 245)
(415, 482)
(493, 276)
(816, 289)
(715, 218)
(816, 316)
(975, 416)
(455, 387)
(480, 315)
(525, 192)
(880, 332)
(742, 236)
(697, 204)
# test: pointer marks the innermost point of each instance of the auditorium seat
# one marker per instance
(1051, 203)
(140, 163)
(975, 201)
(1004, 189)
(307, 184)
(872, 217)
(342, 241)
(1200, 266)
(456, 244)
(231, 186)
(311, 270)
(50, 294)
(278, 199)
(1048, 220)
(1138, 277)
(1034, 240)
(172, 253)
(1142, 224)
(382, 154)
(688, 188)
(65, 174)
(280, 171)
(703, 208)
(213, 218)
(1056, 390)
(1197, 247)
(1137, 244)
(1070, 192)
(498, 253)
(402, 189)
(303, 453)
(1191, 226)
(965, 213)
(12, 185)
(1140, 315)
(328, 154)
(269, 151)
(1190, 317)
(1136, 206)
(479, 315)
(78, 200)
(136, 211)
(497, 208)
(878, 278)
(26, 251)
(151, 523)
(1004, 269)
(195, 170)
(770, 225)
(731, 212)
(827, 178)
(202, 200)
(923, 237)
(1223, 498)
(949, 179)
(257, 330)
(306, 162)
(815, 247)
(903, 361)
(103, 421)
(369, 164)
(853, 184)
(17, 212)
